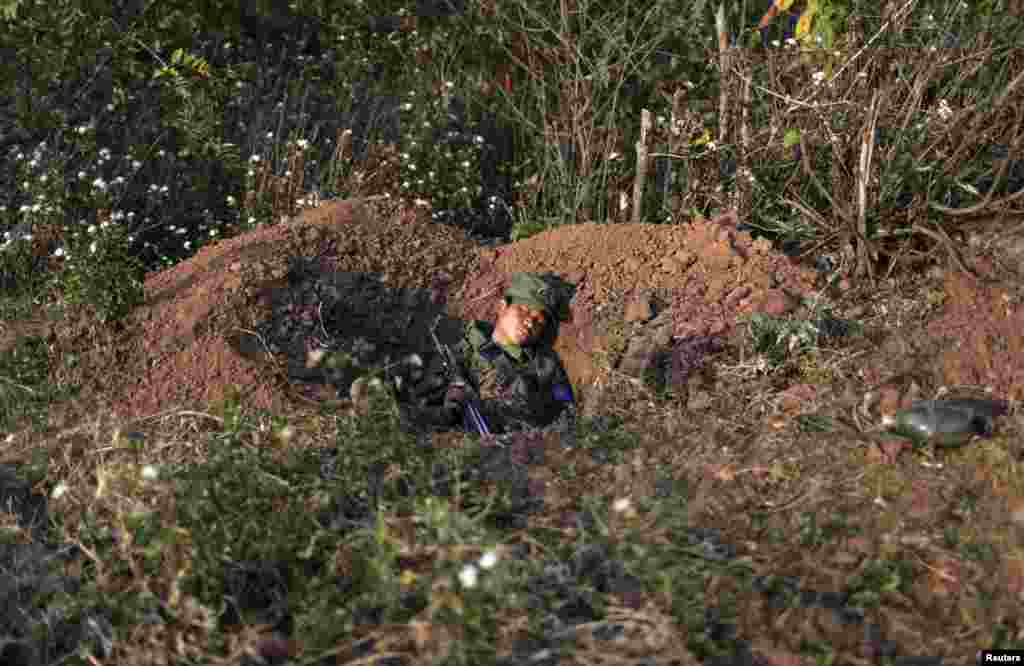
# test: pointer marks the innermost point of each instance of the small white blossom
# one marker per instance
(33, 164)
(465, 164)
(818, 77)
(270, 135)
(478, 139)
(81, 175)
(150, 472)
(488, 560)
(622, 504)
(136, 164)
(449, 84)
(407, 106)
(776, 43)
(91, 229)
(119, 180)
(254, 159)
(92, 248)
(614, 156)
(59, 252)
(82, 129)
(468, 576)
(99, 184)
(790, 42)
(104, 153)
(161, 152)
(303, 144)
(188, 244)
(59, 490)
(164, 189)
(231, 200)
(252, 220)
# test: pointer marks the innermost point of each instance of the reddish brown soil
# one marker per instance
(175, 351)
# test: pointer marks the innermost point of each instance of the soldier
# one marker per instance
(521, 381)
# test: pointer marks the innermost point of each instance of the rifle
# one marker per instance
(472, 417)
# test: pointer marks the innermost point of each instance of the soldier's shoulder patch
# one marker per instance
(562, 392)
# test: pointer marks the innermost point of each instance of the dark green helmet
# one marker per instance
(544, 291)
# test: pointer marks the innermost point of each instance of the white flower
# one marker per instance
(412, 167)
(465, 164)
(818, 77)
(254, 159)
(119, 180)
(33, 164)
(468, 576)
(92, 248)
(59, 490)
(82, 129)
(81, 175)
(59, 252)
(488, 560)
(614, 156)
(136, 164)
(252, 220)
(110, 107)
(164, 189)
(99, 184)
(407, 106)
(150, 472)
(270, 135)
(91, 229)
(105, 153)
(776, 43)
(231, 200)
(621, 504)
(790, 42)
(478, 139)
(303, 144)
(449, 84)
(188, 244)
(161, 152)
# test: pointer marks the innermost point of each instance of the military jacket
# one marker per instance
(521, 388)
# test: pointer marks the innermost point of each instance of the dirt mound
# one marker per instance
(980, 331)
(692, 279)
(197, 340)
(182, 344)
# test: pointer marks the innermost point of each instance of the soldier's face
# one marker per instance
(519, 324)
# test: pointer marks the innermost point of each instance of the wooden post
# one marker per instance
(641, 163)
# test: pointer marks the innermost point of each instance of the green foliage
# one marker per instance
(102, 273)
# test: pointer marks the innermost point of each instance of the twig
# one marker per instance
(885, 26)
(723, 60)
(866, 151)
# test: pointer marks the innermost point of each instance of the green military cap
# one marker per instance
(544, 291)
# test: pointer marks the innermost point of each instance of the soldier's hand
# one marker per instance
(457, 393)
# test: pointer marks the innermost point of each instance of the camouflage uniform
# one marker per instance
(521, 387)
